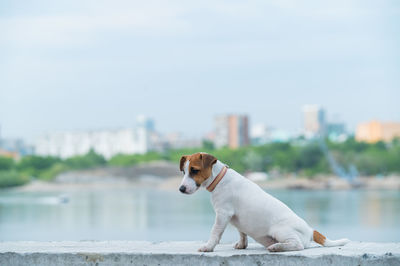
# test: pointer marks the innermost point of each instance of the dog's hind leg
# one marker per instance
(242, 243)
(288, 245)
(287, 241)
(266, 241)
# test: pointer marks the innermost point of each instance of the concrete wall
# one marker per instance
(184, 253)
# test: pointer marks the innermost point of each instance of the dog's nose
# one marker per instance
(182, 189)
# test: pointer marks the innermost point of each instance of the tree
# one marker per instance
(89, 160)
(208, 145)
(6, 163)
(37, 162)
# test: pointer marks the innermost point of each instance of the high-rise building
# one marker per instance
(14, 146)
(314, 120)
(261, 134)
(374, 131)
(231, 130)
(145, 122)
(335, 128)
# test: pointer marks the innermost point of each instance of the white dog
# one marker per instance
(251, 210)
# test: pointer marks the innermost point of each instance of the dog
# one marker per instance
(254, 213)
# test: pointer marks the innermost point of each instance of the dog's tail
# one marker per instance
(324, 241)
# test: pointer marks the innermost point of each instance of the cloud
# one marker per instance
(70, 29)
(82, 22)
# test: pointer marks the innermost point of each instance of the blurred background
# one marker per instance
(100, 99)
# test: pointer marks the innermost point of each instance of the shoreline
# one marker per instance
(172, 184)
(166, 176)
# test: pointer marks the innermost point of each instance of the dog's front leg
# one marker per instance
(221, 221)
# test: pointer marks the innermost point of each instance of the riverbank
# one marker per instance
(166, 176)
(172, 183)
(319, 183)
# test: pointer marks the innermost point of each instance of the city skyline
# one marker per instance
(75, 65)
(294, 131)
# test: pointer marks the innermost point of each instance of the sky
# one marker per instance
(95, 64)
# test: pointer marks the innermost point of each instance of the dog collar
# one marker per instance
(219, 177)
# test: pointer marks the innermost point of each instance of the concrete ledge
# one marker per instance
(185, 253)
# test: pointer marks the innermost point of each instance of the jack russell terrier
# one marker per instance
(245, 205)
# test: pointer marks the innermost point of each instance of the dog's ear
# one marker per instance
(208, 160)
(182, 162)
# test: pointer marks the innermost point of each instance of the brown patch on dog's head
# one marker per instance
(200, 166)
(184, 158)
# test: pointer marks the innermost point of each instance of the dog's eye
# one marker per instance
(194, 171)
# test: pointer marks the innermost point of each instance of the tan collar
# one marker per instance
(219, 177)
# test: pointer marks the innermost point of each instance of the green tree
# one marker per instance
(89, 160)
(37, 162)
(208, 145)
(12, 178)
(253, 161)
(6, 163)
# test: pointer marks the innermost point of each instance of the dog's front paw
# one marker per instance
(205, 249)
(240, 245)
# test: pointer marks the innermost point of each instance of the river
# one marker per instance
(154, 215)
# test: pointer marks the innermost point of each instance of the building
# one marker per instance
(176, 140)
(261, 134)
(14, 147)
(374, 131)
(336, 131)
(146, 133)
(231, 130)
(145, 122)
(314, 121)
(18, 146)
(10, 154)
(105, 142)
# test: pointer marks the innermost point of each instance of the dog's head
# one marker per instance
(196, 169)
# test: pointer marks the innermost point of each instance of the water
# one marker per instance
(145, 214)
